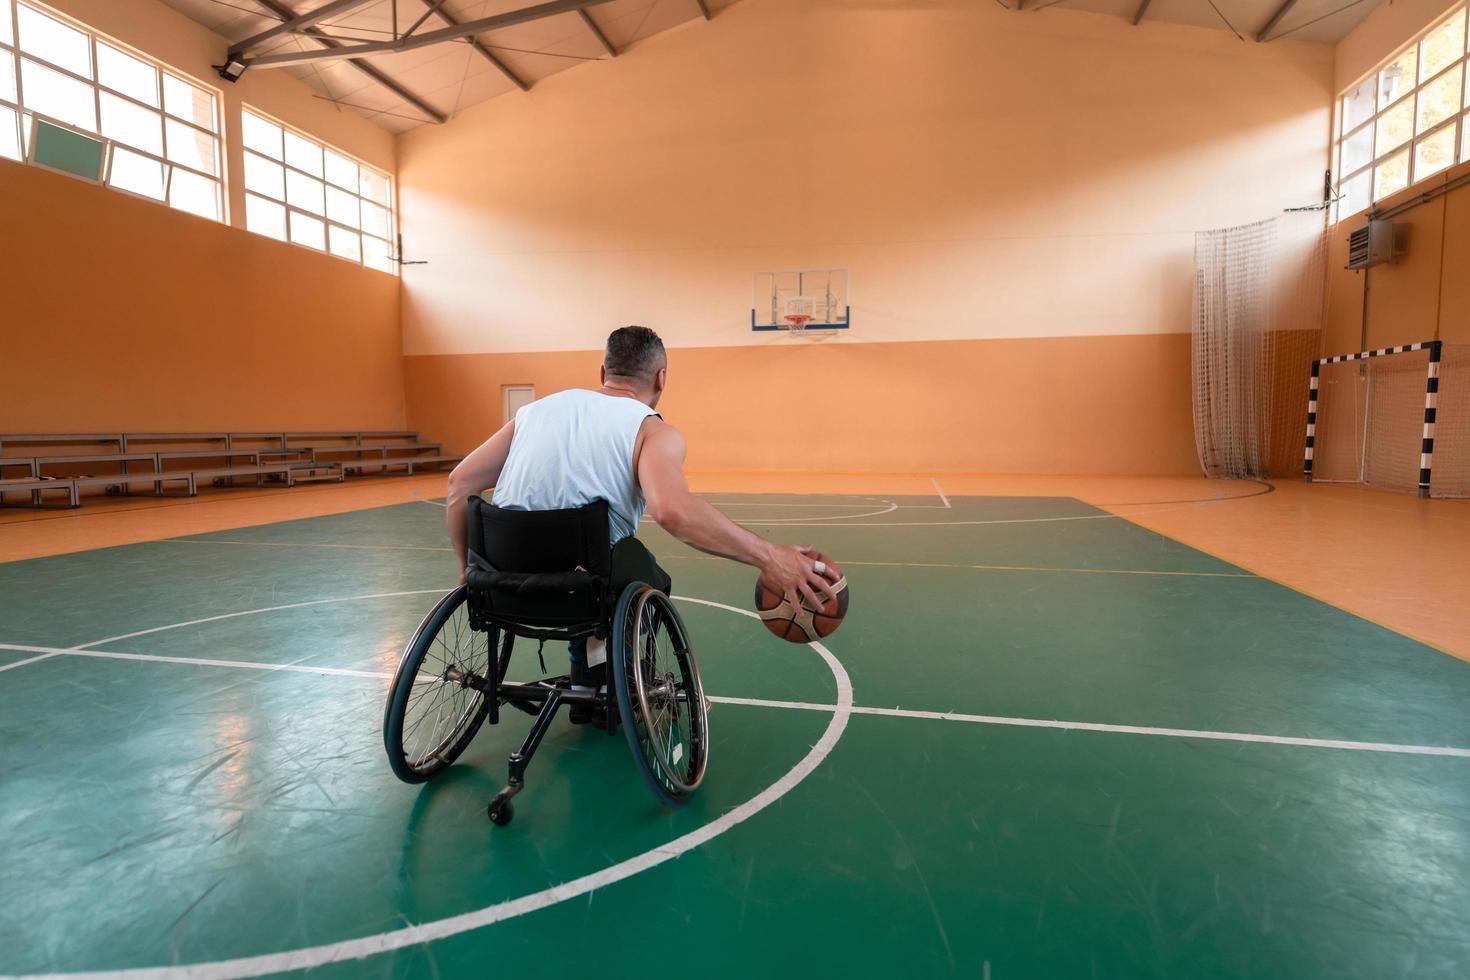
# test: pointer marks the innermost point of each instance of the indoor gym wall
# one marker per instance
(1024, 189)
(122, 314)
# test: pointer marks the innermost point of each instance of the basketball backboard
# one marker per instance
(800, 299)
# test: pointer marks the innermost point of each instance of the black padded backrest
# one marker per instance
(541, 540)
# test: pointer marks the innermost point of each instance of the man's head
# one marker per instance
(635, 360)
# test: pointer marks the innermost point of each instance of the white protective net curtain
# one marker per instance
(1370, 422)
(1257, 326)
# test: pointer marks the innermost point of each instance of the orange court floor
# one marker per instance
(1388, 557)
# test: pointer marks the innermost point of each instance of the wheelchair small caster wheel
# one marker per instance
(502, 813)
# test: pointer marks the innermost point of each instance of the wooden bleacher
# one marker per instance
(157, 459)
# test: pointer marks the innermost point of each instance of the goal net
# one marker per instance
(1369, 425)
(1257, 325)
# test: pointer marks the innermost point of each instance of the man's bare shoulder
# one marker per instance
(660, 437)
(655, 427)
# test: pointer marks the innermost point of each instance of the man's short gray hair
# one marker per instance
(634, 352)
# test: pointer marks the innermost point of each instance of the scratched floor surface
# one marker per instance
(1047, 743)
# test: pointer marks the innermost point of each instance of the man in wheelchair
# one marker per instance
(573, 464)
(577, 446)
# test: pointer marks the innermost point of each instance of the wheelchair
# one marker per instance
(550, 576)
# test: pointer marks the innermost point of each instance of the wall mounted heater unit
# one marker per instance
(1373, 244)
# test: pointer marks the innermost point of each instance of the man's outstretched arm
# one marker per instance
(475, 473)
(786, 569)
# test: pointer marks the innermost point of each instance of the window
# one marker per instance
(1407, 121)
(161, 130)
(298, 190)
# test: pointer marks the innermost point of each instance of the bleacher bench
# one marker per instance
(124, 458)
(268, 454)
(60, 439)
(226, 454)
(382, 449)
(156, 477)
(190, 478)
(389, 462)
(129, 438)
(37, 487)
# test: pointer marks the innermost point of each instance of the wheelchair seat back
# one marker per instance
(539, 573)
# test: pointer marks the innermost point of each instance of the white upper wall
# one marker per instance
(982, 174)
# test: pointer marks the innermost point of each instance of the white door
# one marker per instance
(515, 396)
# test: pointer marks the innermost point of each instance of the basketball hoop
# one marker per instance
(798, 321)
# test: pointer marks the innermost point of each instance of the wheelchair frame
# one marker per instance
(534, 597)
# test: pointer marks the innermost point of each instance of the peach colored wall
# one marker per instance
(120, 313)
(1423, 295)
(995, 182)
(973, 406)
(163, 33)
(982, 174)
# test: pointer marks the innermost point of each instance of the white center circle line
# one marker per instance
(309, 957)
(793, 521)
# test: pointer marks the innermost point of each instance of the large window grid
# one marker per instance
(299, 190)
(1406, 121)
(162, 130)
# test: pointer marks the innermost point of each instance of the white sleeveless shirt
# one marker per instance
(572, 448)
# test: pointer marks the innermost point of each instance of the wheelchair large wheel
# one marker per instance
(660, 697)
(433, 712)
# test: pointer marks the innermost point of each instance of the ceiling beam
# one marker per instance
(292, 23)
(592, 26)
(466, 29)
(484, 52)
(433, 8)
(703, 8)
(1142, 9)
(281, 10)
(1281, 12)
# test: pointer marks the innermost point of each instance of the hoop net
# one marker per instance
(799, 311)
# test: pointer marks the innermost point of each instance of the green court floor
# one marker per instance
(1046, 743)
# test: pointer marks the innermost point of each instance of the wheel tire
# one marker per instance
(399, 694)
(621, 656)
(502, 814)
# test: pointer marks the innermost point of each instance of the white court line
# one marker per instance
(790, 521)
(21, 663)
(253, 612)
(940, 490)
(415, 935)
(1153, 509)
(1088, 726)
(197, 661)
(1015, 520)
(1081, 726)
(431, 503)
(777, 503)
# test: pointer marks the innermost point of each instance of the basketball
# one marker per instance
(805, 624)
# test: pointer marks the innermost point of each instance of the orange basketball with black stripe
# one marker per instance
(805, 624)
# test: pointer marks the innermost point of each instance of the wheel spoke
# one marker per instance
(438, 710)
